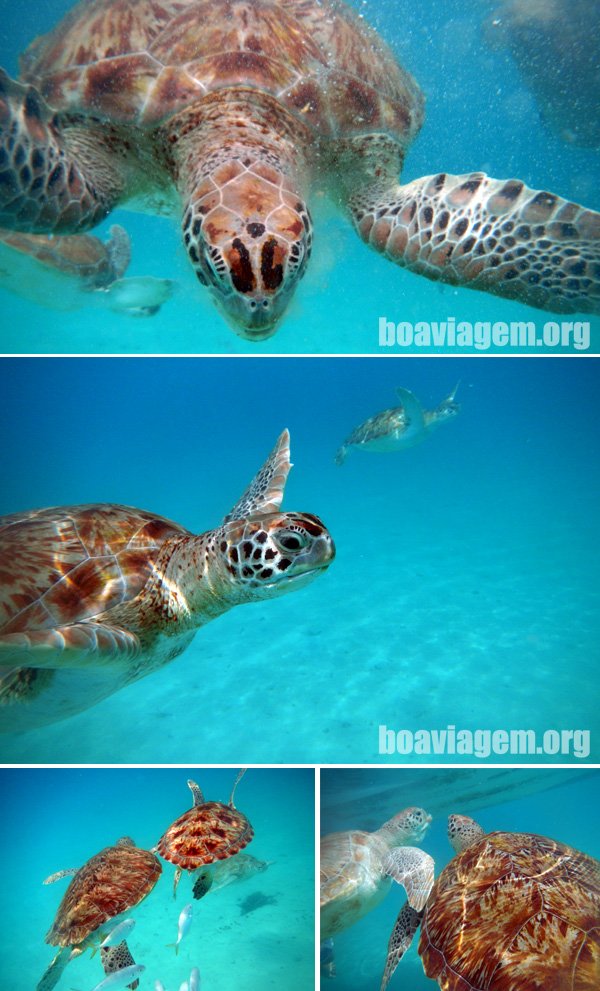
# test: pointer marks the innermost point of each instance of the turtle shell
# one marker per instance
(205, 833)
(66, 565)
(111, 882)
(514, 912)
(144, 60)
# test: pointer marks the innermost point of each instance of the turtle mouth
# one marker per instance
(285, 582)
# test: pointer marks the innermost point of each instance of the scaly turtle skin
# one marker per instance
(229, 111)
(207, 832)
(511, 912)
(110, 883)
(357, 869)
(400, 427)
(65, 273)
(95, 597)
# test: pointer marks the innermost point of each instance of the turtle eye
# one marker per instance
(293, 541)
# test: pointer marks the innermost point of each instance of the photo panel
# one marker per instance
(507, 859)
(115, 834)
(423, 590)
(306, 178)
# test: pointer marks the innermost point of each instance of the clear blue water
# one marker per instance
(465, 587)
(479, 116)
(568, 813)
(55, 819)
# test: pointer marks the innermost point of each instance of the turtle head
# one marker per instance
(408, 827)
(462, 832)
(248, 240)
(271, 554)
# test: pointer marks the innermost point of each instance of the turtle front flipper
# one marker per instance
(82, 645)
(406, 925)
(413, 869)
(115, 958)
(48, 182)
(415, 421)
(265, 492)
(495, 235)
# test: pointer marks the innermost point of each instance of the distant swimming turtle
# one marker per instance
(357, 869)
(65, 273)
(228, 112)
(109, 883)
(226, 872)
(207, 832)
(511, 912)
(555, 46)
(95, 597)
(400, 427)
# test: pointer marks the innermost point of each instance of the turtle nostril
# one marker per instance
(255, 230)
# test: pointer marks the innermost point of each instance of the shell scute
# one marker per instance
(75, 562)
(530, 907)
(111, 882)
(143, 61)
(205, 833)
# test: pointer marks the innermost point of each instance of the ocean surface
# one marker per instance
(480, 116)
(567, 813)
(465, 588)
(55, 819)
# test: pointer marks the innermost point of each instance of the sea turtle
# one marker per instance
(511, 912)
(229, 111)
(207, 832)
(94, 597)
(212, 877)
(357, 869)
(555, 46)
(109, 884)
(400, 427)
(66, 272)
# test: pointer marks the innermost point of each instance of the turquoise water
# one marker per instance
(479, 116)
(465, 587)
(56, 819)
(568, 813)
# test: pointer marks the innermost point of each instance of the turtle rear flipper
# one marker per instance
(82, 645)
(45, 187)
(53, 971)
(406, 925)
(490, 234)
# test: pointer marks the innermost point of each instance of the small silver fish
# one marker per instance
(119, 933)
(185, 921)
(184, 986)
(120, 978)
(158, 986)
(195, 979)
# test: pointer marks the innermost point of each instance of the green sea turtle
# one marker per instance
(95, 597)
(207, 832)
(555, 45)
(109, 884)
(400, 427)
(510, 912)
(226, 872)
(65, 273)
(228, 112)
(357, 870)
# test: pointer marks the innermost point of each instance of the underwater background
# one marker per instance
(465, 587)
(254, 934)
(568, 812)
(480, 116)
